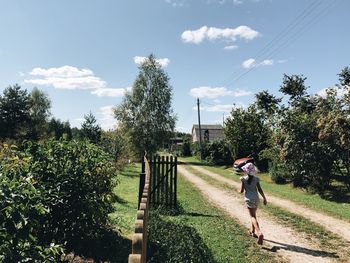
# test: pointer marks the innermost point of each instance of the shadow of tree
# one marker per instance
(338, 194)
(298, 249)
(105, 245)
(173, 242)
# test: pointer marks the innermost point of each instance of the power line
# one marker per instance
(294, 37)
(309, 9)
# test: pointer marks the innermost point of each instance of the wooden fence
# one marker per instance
(158, 185)
(139, 238)
(163, 181)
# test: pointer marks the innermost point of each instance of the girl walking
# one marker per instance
(251, 187)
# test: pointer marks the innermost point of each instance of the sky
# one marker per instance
(84, 54)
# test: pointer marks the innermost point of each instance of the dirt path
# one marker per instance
(283, 240)
(334, 225)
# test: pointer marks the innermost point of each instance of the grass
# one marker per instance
(199, 232)
(127, 191)
(326, 240)
(314, 201)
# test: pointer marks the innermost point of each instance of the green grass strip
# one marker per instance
(200, 232)
(127, 191)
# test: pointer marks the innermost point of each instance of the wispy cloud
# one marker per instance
(106, 117)
(213, 33)
(66, 77)
(216, 108)
(231, 47)
(323, 92)
(252, 63)
(176, 3)
(109, 92)
(213, 93)
(162, 61)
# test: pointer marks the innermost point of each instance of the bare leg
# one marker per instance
(255, 225)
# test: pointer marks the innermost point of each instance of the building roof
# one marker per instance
(208, 127)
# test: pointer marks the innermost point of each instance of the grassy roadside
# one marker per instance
(123, 218)
(325, 239)
(199, 232)
(339, 210)
(126, 204)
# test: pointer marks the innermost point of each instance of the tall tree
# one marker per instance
(59, 129)
(14, 112)
(90, 129)
(146, 114)
(39, 112)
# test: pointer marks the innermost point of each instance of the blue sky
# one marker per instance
(84, 53)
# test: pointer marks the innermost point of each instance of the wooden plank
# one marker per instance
(159, 178)
(163, 171)
(171, 198)
(154, 172)
(167, 180)
(175, 183)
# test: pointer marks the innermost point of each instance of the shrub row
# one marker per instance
(52, 197)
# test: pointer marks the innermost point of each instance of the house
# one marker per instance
(209, 132)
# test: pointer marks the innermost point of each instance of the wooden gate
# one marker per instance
(163, 181)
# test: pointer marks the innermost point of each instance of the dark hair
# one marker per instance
(250, 178)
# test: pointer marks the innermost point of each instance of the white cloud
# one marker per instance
(176, 3)
(251, 63)
(61, 72)
(241, 93)
(323, 92)
(162, 61)
(108, 92)
(107, 120)
(216, 108)
(66, 77)
(267, 62)
(213, 33)
(237, 2)
(231, 47)
(213, 93)
(208, 92)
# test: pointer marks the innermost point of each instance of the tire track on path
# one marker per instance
(334, 225)
(283, 240)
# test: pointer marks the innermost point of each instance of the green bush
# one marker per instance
(186, 148)
(76, 181)
(22, 208)
(219, 153)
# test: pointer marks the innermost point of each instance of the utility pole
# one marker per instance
(199, 126)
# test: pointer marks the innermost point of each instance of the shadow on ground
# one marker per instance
(298, 249)
(338, 194)
(106, 245)
(175, 242)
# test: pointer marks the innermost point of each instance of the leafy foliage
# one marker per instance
(59, 192)
(90, 129)
(76, 180)
(145, 114)
(39, 113)
(246, 132)
(22, 207)
(14, 112)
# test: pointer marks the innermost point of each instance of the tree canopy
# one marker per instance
(146, 115)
